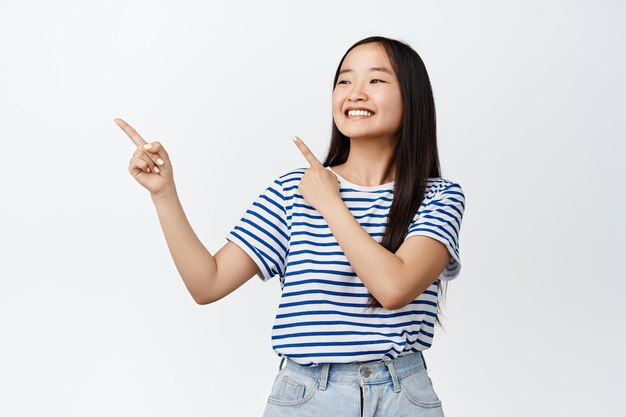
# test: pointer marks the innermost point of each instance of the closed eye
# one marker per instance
(344, 81)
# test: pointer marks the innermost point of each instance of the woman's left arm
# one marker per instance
(395, 279)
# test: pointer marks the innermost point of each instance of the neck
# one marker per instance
(369, 162)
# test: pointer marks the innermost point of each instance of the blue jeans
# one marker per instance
(394, 388)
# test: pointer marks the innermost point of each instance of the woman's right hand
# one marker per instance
(150, 167)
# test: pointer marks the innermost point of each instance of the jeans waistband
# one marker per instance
(362, 373)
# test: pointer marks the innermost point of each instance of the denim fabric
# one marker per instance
(394, 388)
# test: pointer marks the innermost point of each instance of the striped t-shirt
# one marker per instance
(321, 316)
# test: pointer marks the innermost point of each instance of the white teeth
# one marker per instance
(359, 113)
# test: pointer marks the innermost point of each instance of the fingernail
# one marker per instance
(147, 146)
(295, 139)
(157, 170)
(160, 161)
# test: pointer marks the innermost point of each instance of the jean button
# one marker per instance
(366, 372)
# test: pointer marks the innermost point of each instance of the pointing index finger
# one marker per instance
(307, 153)
(132, 133)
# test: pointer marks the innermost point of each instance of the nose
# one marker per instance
(356, 93)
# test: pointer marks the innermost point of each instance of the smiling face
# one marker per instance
(376, 90)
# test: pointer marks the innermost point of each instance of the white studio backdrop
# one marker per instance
(94, 319)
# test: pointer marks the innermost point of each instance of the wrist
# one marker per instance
(167, 194)
(331, 206)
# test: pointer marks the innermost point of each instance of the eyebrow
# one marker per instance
(382, 69)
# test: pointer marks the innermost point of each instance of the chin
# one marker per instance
(359, 135)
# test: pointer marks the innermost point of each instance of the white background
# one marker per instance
(94, 319)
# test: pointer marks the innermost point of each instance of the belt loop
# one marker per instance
(324, 376)
(394, 376)
(280, 365)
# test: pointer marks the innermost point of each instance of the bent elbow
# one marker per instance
(397, 300)
(392, 303)
(202, 300)
(395, 305)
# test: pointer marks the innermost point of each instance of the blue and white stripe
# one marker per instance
(321, 316)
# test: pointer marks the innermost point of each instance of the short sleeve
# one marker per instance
(441, 219)
(263, 232)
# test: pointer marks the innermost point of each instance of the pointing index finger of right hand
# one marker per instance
(132, 133)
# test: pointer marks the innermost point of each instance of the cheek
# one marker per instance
(336, 101)
(336, 109)
(398, 113)
(392, 108)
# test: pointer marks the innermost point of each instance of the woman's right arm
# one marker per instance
(208, 278)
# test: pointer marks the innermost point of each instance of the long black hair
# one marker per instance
(415, 155)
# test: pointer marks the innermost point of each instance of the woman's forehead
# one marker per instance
(365, 57)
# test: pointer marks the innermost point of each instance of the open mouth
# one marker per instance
(358, 114)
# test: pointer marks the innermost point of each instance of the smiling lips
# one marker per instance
(358, 114)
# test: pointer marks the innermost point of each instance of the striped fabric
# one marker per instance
(321, 316)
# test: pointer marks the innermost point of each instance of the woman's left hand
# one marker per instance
(319, 186)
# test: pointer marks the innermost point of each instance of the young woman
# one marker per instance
(362, 244)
